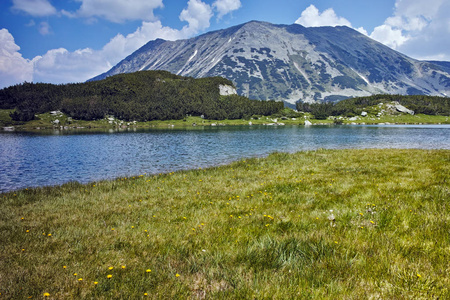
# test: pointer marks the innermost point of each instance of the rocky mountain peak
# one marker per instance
(292, 63)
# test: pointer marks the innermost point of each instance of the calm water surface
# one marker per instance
(31, 159)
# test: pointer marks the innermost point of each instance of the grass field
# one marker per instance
(325, 224)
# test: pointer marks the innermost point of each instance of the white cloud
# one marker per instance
(224, 7)
(37, 8)
(418, 28)
(117, 10)
(311, 17)
(121, 46)
(389, 36)
(62, 66)
(197, 14)
(13, 67)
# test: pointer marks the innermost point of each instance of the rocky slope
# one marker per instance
(292, 63)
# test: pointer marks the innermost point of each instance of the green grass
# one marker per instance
(403, 119)
(326, 224)
(44, 121)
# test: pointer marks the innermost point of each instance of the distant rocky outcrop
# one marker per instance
(227, 90)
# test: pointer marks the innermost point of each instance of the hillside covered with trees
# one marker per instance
(139, 96)
(420, 104)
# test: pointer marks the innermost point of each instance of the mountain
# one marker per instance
(292, 63)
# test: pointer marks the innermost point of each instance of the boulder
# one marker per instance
(364, 114)
(307, 123)
(403, 109)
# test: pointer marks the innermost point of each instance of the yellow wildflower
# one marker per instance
(109, 276)
(46, 295)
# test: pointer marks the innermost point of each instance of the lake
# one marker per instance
(40, 159)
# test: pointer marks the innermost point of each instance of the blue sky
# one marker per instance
(62, 41)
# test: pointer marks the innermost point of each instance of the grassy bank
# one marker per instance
(346, 224)
(47, 121)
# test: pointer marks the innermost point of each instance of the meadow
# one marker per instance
(325, 224)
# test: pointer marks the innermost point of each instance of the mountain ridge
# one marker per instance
(292, 62)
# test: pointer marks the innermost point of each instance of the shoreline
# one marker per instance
(225, 164)
(209, 123)
(60, 121)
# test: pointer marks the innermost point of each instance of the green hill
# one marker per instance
(420, 104)
(140, 96)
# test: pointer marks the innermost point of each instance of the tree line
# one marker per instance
(139, 96)
(420, 104)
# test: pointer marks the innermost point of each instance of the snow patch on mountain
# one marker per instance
(193, 55)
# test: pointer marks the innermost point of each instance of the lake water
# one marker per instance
(32, 159)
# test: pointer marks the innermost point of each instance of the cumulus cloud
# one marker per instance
(419, 28)
(36, 8)
(197, 15)
(62, 66)
(389, 36)
(117, 10)
(224, 7)
(13, 67)
(311, 17)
